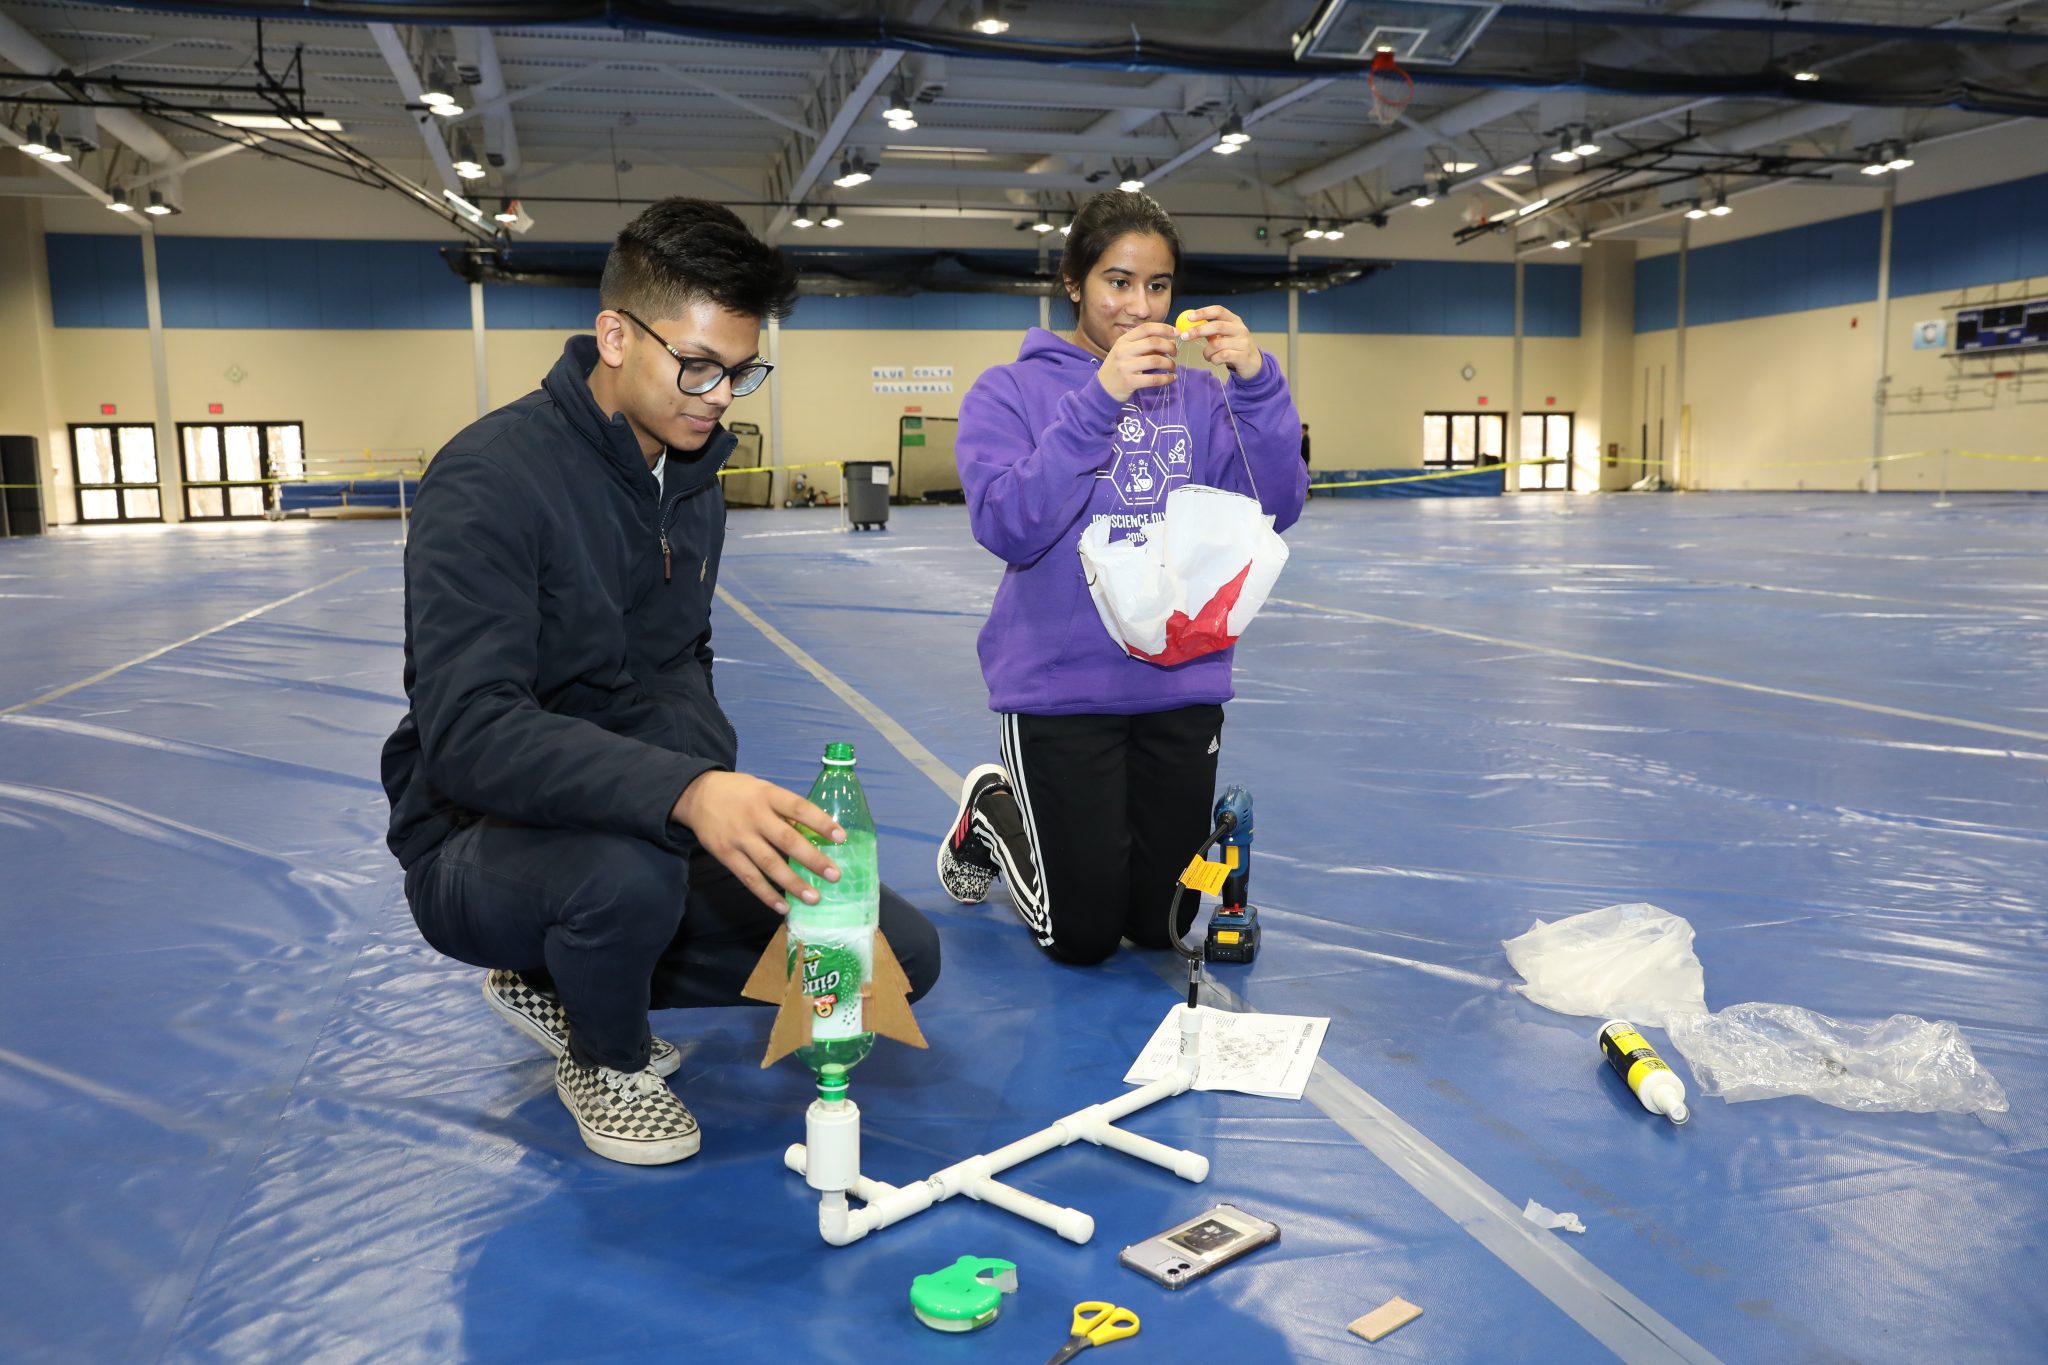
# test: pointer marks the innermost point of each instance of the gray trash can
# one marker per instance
(867, 494)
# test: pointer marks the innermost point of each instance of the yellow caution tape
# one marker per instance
(777, 468)
(1442, 474)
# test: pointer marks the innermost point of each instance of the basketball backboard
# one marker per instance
(1420, 32)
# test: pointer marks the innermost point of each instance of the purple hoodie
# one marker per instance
(1044, 451)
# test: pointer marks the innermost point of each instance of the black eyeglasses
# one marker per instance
(697, 374)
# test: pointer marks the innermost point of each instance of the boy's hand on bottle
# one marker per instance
(1226, 341)
(1143, 358)
(751, 827)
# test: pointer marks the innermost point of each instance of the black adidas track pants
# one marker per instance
(1114, 806)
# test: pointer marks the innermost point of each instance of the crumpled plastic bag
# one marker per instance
(1904, 1063)
(1191, 583)
(1632, 962)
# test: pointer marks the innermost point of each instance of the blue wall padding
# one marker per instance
(1958, 241)
(96, 281)
(311, 285)
(1448, 298)
(1479, 484)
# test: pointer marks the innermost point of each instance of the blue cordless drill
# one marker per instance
(1234, 928)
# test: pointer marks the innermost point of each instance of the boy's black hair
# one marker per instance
(683, 251)
(1106, 217)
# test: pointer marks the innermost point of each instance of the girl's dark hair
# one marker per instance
(684, 251)
(1106, 217)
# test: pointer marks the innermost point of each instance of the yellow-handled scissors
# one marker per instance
(1096, 1324)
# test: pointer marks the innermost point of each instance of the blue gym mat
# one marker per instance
(249, 1116)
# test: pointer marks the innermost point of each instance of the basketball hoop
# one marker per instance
(1392, 88)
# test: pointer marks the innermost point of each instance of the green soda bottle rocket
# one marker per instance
(834, 940)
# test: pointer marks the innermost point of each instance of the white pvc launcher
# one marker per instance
(829, 1160)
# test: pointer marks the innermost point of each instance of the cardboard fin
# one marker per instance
(771, 973)
(885, 1000)
(887, 1006)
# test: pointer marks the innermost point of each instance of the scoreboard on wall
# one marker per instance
(2002, 327)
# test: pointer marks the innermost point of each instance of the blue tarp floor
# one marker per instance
(249, 1116)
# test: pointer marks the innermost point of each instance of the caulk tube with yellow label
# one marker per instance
(1637, 1063)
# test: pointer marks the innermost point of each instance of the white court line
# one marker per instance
(1737, 683)
(923, 759)
(1620, 1321)
(68, 688)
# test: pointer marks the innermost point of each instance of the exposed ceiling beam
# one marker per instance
(1264, 111)
(29, 54)
(849, 110)
(757, 110)
(65, 172)
(400, 61)
(512, 97)
(134, 54)
(478, 47)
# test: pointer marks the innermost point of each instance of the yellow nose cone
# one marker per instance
(1186, 322)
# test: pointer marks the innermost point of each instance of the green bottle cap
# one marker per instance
(965, 1295)
(832, 1081)
(839, 753)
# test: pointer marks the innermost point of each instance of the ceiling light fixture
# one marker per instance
(1806, 76)
(1313, 231)
(1721, 209)
(1233, 130)
(119, 202)
(1519, 168)
(55, 153)
(278, 123)
(1043, 225)
(1565, 152)
(1423, 198)
(157, 207)
(1694, 209)
(1585, 146)
(990, 19)
(853, 170)
(831, 218)
(35, 146)
(1460, 167)
(1532, 206)
(1334, 233)
(899, 104)
(803, 217)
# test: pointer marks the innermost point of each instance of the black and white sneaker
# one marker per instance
(989, 839)
(540, 1016)
(629, 1116)
(965, 865)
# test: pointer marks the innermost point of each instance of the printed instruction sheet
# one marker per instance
(1254, 1054)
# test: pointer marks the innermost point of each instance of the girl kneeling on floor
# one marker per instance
(1108, 768)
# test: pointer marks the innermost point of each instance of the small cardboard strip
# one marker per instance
(1396, 1312)
(1205, 876)
(885, 1002)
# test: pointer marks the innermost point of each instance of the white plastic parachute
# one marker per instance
(1191, 583)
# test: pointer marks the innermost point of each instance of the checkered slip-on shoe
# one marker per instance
(540, 1017)
(629, 1116)
(966, 867)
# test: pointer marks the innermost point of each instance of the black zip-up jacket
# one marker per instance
(558, 626)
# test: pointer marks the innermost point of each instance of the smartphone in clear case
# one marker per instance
(1187, 1251)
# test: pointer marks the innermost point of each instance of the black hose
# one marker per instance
(1194, 955)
